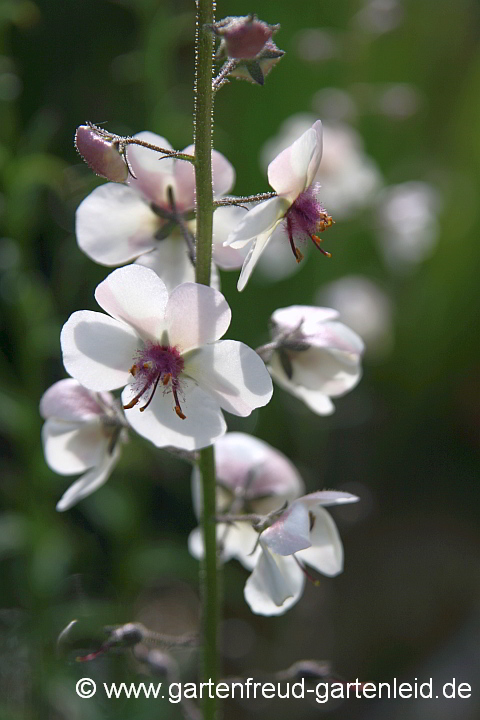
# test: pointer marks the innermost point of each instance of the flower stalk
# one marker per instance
(203, 130)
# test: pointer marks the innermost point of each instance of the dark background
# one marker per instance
(406, 440)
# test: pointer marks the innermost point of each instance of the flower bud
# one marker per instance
(243, 38)
(257, 69)
(100, 152)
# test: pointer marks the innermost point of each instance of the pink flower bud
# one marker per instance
(243, 38)
(100, 153)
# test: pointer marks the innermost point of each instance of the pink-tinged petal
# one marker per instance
(224, 220)
(237, 541)
(135, 295)
(233, 374)
(98, 351)
(290, 533)
(159, 423)
(317, 155)
(195, 315)
(306, 317)
(89, 482)
(184, 173)
(316, 400)
(254, 254)
(68, 400)
(262, 219)
(290, 173)
(115, 225)
(153, 171)
(71, 448)
(338, 337)
(223, 174)
(275, 584)
(326, 553)
(244, 462)
(184, 188)
(325, 498)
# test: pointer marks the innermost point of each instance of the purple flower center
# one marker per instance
(307, 216)
(154, 365)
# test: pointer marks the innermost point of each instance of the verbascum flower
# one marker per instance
(312, 355)
(295, 211)
(83, 431)
(304, 535)
(118, 223)
(252, 477)
(166, 349)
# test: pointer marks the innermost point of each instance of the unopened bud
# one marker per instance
(257, 69)
(101, 153)
(243, 38)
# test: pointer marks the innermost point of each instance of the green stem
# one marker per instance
(204, 222)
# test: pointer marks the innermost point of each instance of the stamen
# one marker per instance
(298, 255)
(178, 409)
(137, 397)
(152, 394)
(317, 242)
(93, 655)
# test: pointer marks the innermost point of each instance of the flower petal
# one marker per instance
(314, 399)
(263, 218)
(184, 173)
(135, 295)
(246, 463)
(195, 315)
(204, 421)
(294, 169)
(153, 171)
(332, 373)
(71, 448)
(224, 219)
(319, 371)
(89, 482)
(258, 246)
(237, 540)
(233, 374)
(290, 533)
(70, 401)
(326, 553)
(275, 584)
(307, 317)
(170, 261)
(98, 350)
(115, 225)
(326, 498)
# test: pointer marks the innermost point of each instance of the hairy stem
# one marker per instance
(204, 193)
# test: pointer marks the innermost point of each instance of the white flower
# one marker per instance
(304, 534)
(252, 477)
(291, 174)
(117, 223)
(83, 431)
(312, 355)
(407, 223)
(349, 178)
(166, 350)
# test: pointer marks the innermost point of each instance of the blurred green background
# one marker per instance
(406, 77)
